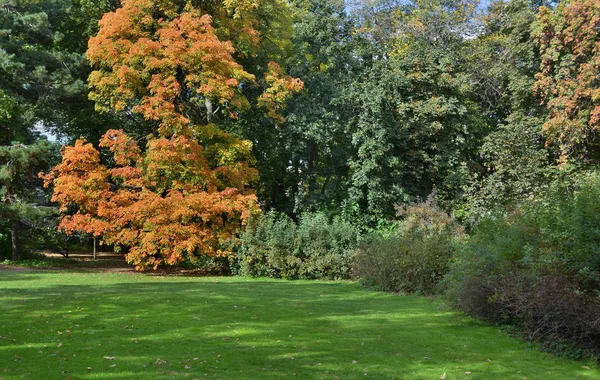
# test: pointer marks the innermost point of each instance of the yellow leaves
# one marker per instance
(238, 8)
(281, 87)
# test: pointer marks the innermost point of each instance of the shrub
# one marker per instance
(538, 267)
(415, 258)
(314, 248)
(376, 263)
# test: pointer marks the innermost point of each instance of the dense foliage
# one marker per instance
(190, 190)
(414, 257)
(316, 247)
(167, 204)
(569, 41)
(539, 266)
(23, 205)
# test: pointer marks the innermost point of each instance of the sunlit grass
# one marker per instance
(59, 324)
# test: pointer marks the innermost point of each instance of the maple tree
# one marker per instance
(188, 191)
(168, 61)
(167, 204)
(568, 81)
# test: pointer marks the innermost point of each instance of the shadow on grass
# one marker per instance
(62, 324)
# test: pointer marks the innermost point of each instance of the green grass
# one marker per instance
(57, 324)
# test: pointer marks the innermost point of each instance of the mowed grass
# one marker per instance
(60, 324)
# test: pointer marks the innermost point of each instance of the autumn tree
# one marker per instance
(568, 82)
(167, 204)
(188, 190)
(168, 61)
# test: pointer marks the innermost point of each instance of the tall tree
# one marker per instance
(503, 61)
(303, 161)
(43, 72)
(42, 86)
(22, 201)
(416, 125)
(190, 189)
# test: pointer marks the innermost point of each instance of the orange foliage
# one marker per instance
(149, 56)
(165, 61)
(281, 87)
(190, 190)
(568, 82)
(167, 205)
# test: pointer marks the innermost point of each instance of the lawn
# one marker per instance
(83, 325)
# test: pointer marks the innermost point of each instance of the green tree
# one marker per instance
(22, 201)
(43, 70)
(303, 161)
(503, 61)
(415, 123)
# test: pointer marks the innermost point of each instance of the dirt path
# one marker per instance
(105, 262)
(11, 268)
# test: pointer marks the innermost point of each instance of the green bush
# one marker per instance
(538, 267)
(415, 258)
(314, 248)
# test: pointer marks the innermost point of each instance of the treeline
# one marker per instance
(418, 145)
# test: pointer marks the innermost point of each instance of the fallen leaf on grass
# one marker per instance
(109, 357)
(443, 376)
(467, 373)
(585, 367)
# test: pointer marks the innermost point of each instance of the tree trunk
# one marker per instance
(209, 109)
(94, 249)
(13, 238)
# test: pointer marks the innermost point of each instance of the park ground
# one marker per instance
(105, 323)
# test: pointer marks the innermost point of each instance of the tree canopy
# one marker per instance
(181, 119)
